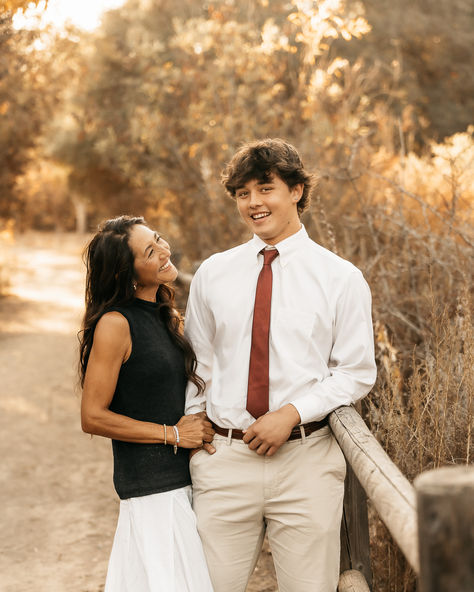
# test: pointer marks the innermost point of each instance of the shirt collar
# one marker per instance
(286, 247)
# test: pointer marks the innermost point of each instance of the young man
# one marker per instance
(283, 335)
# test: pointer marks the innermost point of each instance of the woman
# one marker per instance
(134, 366)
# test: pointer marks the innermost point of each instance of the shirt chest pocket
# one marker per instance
(291, 332)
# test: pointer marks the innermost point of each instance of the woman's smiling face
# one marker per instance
(152, 263)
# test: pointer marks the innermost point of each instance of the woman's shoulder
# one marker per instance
(112, 337)
(113, 322)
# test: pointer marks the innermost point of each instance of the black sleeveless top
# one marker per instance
(150, 387)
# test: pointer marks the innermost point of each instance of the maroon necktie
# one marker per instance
(257, 394)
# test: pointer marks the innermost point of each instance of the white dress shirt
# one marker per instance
(321, 350)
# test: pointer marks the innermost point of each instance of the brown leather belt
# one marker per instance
(309, 428)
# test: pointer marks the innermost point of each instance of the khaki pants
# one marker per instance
(296, 495)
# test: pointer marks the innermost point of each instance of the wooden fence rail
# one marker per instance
(446, 508)
(390, 492)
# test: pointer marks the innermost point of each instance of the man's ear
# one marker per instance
(297, 192)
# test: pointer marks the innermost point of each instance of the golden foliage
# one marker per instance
(321, 22)
(15, 5)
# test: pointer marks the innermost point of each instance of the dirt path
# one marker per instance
(58, 504)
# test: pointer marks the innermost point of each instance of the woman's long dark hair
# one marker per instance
(110, 282)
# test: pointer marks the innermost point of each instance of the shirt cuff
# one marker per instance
(195, 408)
(306, 408)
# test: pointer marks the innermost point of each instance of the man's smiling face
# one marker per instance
(270, 208)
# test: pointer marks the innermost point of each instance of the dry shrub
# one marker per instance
(426, 420)
(406, 221)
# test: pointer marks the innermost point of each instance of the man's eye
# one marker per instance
(243, 194)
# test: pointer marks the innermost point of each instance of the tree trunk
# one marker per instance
(80, 212)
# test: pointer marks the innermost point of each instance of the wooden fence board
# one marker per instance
(388, 489)
(355, 541)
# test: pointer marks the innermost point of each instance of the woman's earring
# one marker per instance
(134, 285)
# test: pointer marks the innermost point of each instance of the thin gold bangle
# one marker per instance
(164, 425)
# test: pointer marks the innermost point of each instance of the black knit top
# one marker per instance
(150, 387)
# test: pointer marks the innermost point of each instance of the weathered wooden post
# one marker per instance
(445, 499)
(355, 542)
(352, 581)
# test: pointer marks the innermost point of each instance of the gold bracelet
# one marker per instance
(164, 425)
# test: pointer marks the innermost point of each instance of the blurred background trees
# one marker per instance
(143, 112)
(24, 108)
(140, 115)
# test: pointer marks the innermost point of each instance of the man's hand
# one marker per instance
(271, 430)
(206, 446)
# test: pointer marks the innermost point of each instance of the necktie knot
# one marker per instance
(269, 255)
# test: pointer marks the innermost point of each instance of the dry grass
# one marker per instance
(407, 223)
(424, 421)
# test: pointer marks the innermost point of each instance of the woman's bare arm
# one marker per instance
(111, 348)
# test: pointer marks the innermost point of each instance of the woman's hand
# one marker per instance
(194, 430)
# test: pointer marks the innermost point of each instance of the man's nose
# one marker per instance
(254, 199)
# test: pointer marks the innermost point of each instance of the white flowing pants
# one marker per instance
(157, 547)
